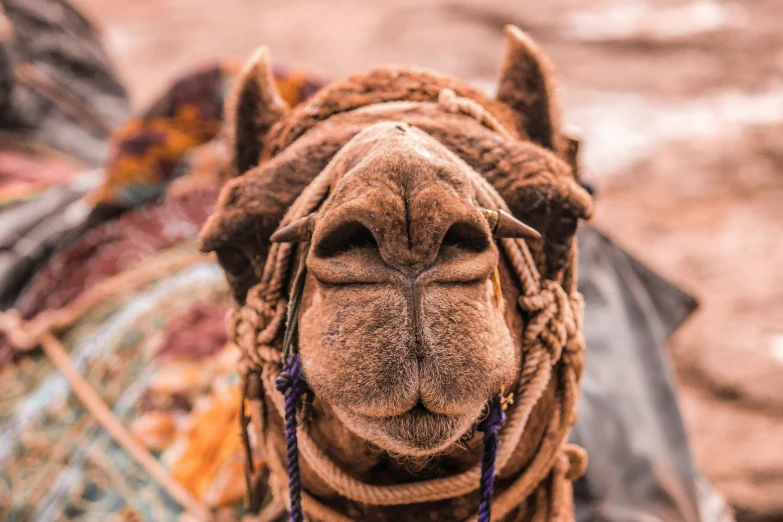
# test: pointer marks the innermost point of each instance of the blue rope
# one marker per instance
(495, 419)
(291, 384)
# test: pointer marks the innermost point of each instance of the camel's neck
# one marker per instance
(367, 463)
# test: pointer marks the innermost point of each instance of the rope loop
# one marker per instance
(577, 461)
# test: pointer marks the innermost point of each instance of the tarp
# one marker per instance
(641, 467)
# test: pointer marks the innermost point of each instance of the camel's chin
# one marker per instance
(416, 433)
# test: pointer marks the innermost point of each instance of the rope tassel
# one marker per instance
(291, 385)
(495, 419)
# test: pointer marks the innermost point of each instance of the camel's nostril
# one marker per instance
(345, 237)
(466, 236)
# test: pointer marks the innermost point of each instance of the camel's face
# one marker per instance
(401, 330)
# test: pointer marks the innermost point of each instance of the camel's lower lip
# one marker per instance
(418, 432)
(421, 429)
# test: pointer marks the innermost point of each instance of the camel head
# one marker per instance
(408, 323)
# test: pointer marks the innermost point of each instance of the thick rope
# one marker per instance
(449, 100)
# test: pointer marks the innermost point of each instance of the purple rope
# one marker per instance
(495, 419)
(291, 384)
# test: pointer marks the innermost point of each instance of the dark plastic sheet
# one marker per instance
(641, 467)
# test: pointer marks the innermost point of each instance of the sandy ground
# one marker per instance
(681, 108)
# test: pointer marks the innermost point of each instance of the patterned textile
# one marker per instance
(156, 355)
(57, 463)
(26, 172)
(39, 193)
(146, 150)
(57, 84)
(117, 245)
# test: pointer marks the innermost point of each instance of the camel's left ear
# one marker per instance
(253, 106)
(526, 86)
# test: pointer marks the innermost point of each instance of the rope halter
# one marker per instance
(551, 339)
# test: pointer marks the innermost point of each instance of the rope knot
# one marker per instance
(496, 416)
(13, 326)
(254, 327)
(25, 336)
(553, 318)
(290, 377)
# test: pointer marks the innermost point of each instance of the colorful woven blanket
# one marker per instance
(155, 352)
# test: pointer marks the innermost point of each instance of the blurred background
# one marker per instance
(680, 108)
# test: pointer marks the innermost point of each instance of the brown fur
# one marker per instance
(402, 340)
(401, 258)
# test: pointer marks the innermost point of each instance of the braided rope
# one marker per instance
(449, 100)
(290, 383)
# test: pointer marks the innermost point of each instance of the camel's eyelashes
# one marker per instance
(345, 237)
(465, 236)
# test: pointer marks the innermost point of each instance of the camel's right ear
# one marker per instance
(526, 86)
(253, 106)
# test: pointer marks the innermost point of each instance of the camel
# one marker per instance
(401, 253)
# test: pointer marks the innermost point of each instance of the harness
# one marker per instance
(265, 329)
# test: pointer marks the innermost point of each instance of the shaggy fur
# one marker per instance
(402, 339)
